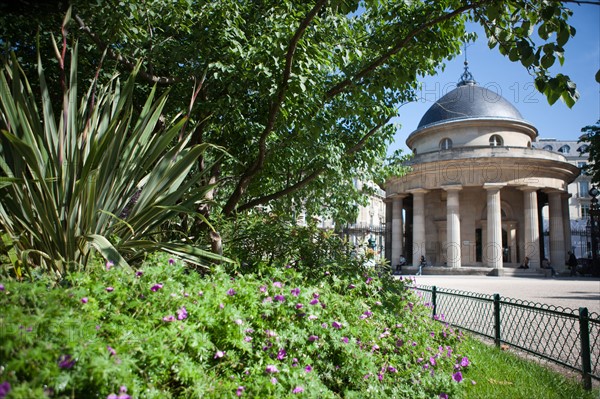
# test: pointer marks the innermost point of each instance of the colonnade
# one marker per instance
(560, 236)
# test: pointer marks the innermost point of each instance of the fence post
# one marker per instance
(586, 359)
(497, 336)
(434, 300)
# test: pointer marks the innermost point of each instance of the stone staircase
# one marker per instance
(475, 271)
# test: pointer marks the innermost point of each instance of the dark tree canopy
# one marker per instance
(299, 93)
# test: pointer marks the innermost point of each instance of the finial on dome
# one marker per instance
(467, 77)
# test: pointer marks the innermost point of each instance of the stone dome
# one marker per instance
(469, 101)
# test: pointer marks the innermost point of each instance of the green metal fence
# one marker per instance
(565, 336)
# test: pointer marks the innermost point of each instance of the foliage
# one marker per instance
(591, 136)
(267, 238)
(300, 93)
(166, 332)
(503, 374)
(96, 175)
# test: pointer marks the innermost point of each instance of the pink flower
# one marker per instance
(464, 362)
(281, 354)
(336, 325)
(295, 291)
(139, 273)
(273, 380)
(315, 295)
(109, 264)
(324, 325)
(345, 340)
(271, 369)
(84, 300)
(219, 354)
(279, 298)
(169, 318)
(111, 351)
(457, 376)
(298, 390)
(239, 391)
(443, 396)
(109, 289)
(182, 313)
(277, 284)
(231, 292)
(156, 287)
(239, 322)
(171, 261)
(299, 306)
(308, 368)
(263, 288)
(313, 338)
(1, 287)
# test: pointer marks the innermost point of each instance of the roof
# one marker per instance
(469, 101)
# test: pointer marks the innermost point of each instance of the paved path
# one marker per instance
(568, 292)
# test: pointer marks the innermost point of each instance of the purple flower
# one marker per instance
(336, 325)
(219, 354)
(314, 301)
(111, 350)
(2, 289)
(279, 298)
(169, 318)
(239, 322)
(324, 325)
(295, 291)
(139, 273)
(84, 299)
(298, 390)
(247, 338)
(4, 388)
(66, 362)
(109, 264)
(369, 280)
(156, 287)
(109, 289)
(299, 306)
(123, 389)
(464, 362)
(315, 295)
(231, 292)
(313, 338)
(277, 284)
(263, 288)
(271, 369)
(273, 380)
(112, 396)
(308, 368)
(351, 286)
(239, 391)
(345, 340)
(392, 369)
(182, 313)
(281, 354)
(443, 396)
(432, 361)
(171, 261)
(457, 376)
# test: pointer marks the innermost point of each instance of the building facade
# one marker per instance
(477, 186)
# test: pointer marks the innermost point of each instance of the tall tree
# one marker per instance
(300, 93)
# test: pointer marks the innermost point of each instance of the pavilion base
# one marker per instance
(473, 271)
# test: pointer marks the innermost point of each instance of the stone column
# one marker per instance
(397, 229)
(531, 230)
(418, 224)
(453, 240)
(567, 221)
(494, 227)
(558, 254)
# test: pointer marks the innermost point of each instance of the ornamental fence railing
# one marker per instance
(570, 338)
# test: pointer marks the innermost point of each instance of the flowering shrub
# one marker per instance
(171, 333)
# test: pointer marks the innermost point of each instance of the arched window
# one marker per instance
(583, 149)
(496, 141)
(564, 149)
(548, 147)
(529, 144)
(445, 144)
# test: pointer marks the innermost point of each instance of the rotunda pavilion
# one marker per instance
(475, 189)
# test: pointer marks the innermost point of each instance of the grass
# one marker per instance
(503, 374)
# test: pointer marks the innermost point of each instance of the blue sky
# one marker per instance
(497, 73)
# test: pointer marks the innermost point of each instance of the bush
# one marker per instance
(166, 332)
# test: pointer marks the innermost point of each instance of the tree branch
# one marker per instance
(343, 85)
(150, 78)
(316, 173)
(274, 110)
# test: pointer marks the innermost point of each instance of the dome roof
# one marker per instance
(469, 101)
